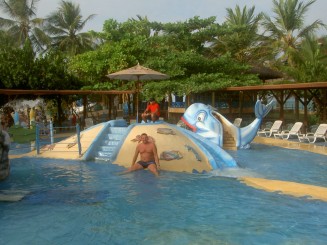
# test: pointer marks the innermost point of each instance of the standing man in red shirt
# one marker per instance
(152, 111)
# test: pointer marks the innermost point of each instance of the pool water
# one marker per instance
(72, 202)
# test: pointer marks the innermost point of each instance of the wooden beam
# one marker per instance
(279, 86)
(62, 92)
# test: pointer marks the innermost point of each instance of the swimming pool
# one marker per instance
(71, 202)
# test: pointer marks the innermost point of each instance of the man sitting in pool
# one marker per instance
(148, 156)
(152, 111)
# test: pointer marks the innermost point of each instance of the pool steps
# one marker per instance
(110, 143)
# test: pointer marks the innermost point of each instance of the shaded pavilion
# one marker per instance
(304, 92)
(14, 93)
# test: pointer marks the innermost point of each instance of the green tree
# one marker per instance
(50, 72)
(198, 73)
(287, 29)
(310, 65)
(187, 62)
(65, 26)
(115, 32)
(20, 69)
(193, 34)
(6, 40)
(22, 24)
(310, 62)
(93, 66)
(16, 66)
(240, 36)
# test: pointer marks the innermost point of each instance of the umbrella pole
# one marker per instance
(137, 107)
(137, 99)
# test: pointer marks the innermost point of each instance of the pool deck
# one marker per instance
(290, 144)
(287, 187)
(67, 148)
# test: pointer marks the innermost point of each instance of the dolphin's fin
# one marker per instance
(262, 110)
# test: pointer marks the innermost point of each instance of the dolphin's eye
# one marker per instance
(201, 117)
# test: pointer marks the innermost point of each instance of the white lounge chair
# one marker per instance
(313, 128)
(312, 137)
(275, 128)
(294, 131)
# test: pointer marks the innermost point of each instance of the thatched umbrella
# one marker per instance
(138, 73)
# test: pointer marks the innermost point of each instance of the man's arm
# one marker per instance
(147, 109)
(155, 154)
(135, 155)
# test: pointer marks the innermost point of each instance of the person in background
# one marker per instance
(3, 125)
(74, 119)
(152, 111)
(4, 152)
(32, 117)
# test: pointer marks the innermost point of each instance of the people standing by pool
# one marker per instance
(74, 119)
(3, 125)
(148, 156)
(32, 117)
(4, 151)
(152, 111)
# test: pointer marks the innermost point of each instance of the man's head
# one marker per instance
(144, 138)
(152, 100)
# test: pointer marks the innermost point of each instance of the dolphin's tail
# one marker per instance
(262, 110)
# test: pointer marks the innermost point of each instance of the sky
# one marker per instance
(169, 10)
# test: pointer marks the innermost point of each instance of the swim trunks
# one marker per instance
(145, 164)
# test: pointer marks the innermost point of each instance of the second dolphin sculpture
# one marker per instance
(205, 121)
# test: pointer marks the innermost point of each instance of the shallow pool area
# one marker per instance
(77, 202)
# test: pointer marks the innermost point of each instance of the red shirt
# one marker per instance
(153, 107)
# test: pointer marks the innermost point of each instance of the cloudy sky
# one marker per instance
(169, 10)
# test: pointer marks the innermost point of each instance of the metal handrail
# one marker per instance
(52, 129)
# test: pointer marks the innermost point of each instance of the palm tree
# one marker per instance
(309, 63)
(64, 26)
(245, 17)
(22, 24)
(6, 40)
(287, 29)
(241, 37)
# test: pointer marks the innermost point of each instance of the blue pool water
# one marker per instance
(71, 202)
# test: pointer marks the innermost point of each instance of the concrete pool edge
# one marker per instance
(288, 144)
(287, 188)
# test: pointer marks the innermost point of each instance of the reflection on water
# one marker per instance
(235, 173)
